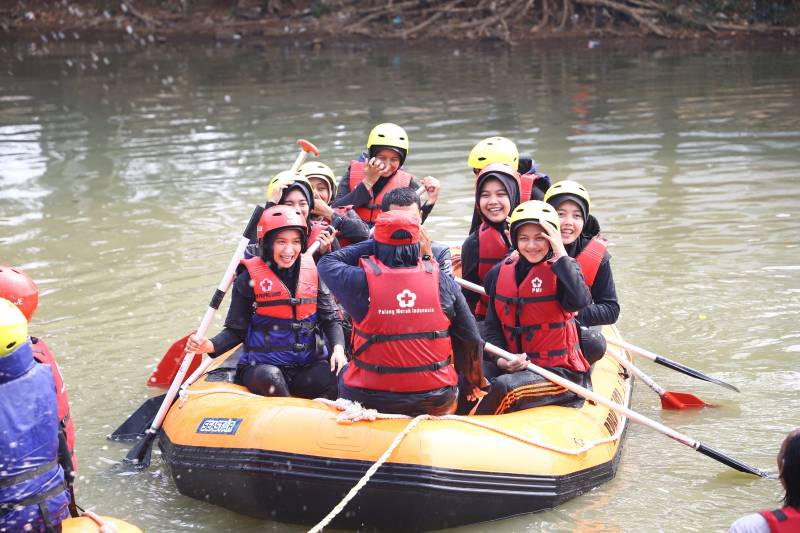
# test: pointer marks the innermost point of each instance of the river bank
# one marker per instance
(320, 22)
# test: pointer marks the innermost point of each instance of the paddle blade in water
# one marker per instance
(682, 400)
(168, 367)
(136, 425)
(139, 456)
(674, 365)
(730, 461)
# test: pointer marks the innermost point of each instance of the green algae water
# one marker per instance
(128, 172)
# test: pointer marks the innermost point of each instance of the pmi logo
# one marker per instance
(536, 284)
(406, 298)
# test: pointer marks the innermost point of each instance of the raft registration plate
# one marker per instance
(219, 426)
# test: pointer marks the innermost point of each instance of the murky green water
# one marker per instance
(127, 174)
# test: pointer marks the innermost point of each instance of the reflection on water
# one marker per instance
(127, 174)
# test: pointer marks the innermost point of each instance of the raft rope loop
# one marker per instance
(354, 412)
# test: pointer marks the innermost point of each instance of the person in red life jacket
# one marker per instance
(496, 194)
(33, 492)
(533, 297)
(787, 518)
(580, 234)
(408, 200)
(20, 289)
(491, 150)
(279, 311)
(348, 225)
(378, 171)
(294, 190)
(414, 334)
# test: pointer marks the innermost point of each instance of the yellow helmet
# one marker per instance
(315, 169)
(13, 327)
(299, 181)
(534, 211)
(494, 150)
(568, 190)
(389, 135)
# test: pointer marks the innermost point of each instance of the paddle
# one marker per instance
(669, 363)
(669, 399)
(630, 347)
(139, 455)
(633, 415)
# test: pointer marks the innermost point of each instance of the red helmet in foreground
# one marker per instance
(18, 287)
(281, 217)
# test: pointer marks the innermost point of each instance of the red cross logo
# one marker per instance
(406, 298)
(536, 284)
(266, 285)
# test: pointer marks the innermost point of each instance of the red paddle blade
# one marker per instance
(682, 400)
(168, 367)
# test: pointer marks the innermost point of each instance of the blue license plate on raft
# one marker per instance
(219, 426)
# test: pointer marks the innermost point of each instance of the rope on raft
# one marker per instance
(353, 412)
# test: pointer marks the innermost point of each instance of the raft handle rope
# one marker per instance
(353, 411)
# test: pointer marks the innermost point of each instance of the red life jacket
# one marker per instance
(591, 256)
(492, 248)
(533, 321)
(273, 299)
(402, 344)
(370, 212)
(783, 520)
(526, 183)
(42, 354)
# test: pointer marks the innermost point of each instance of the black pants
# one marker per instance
(435, 402)
(311, 381)
(526, 389)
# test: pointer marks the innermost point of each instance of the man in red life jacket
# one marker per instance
(19, 288)
(413, 332)
(787, 518)
(378, 171)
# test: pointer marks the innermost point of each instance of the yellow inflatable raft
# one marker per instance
(289, 459)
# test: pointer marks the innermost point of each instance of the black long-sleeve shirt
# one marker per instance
(604, 308)
(571, 292)
(242, 308)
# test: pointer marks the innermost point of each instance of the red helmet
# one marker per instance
(280, 217)
(18, 287)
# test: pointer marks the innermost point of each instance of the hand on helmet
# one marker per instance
(278, 187)
(556, 244)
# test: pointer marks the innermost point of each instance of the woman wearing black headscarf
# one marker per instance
(496, 194)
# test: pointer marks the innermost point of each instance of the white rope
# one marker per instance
(363, 481)
(353, 412)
